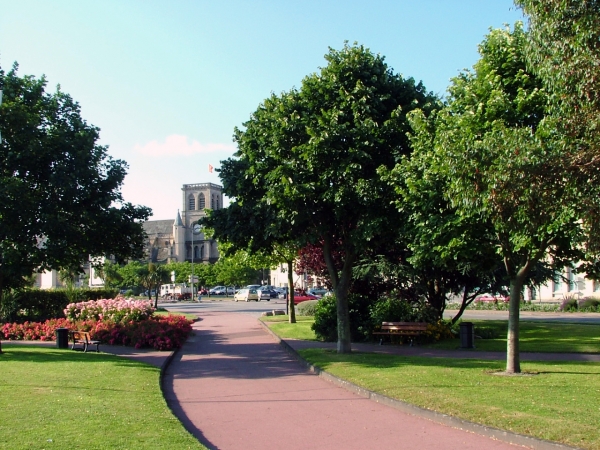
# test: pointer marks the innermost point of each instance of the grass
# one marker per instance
(60, 399)
(560, 403)
(534, 336)
(299, 330)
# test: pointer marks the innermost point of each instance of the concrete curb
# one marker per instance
(472, 427)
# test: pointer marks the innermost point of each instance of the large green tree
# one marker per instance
(311, 156)
(563, 51)
(61, 199)
(504, 167)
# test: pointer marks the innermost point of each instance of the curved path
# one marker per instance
(234, 387)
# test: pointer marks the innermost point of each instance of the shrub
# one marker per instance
(438, 331)
(325, 324)
(569, 304)
(38, 305)
(307, 308)
(589, 304)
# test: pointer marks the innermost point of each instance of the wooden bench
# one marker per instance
(83, 337)
(412, 329)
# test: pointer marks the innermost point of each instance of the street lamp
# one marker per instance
(196, 228)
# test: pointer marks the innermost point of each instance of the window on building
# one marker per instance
(572, 286)
(557, 283)
(201, 201)
(217, 203)
(191, 203)
(212, 202)
(596, 286)
(196, 252)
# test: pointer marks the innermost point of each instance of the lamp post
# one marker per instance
(196, 228)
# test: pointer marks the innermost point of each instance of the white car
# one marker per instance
(246, 295)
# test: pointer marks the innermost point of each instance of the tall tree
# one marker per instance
(61, 199)
(503, 168)
(563, 51)
(312, 156)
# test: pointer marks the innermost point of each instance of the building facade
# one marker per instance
(174, 240)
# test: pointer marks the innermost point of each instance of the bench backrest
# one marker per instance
(408, 326)
(82, 336)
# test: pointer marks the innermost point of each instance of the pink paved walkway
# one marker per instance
(234, 387)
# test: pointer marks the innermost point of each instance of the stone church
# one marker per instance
(173, 240)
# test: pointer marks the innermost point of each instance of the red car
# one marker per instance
(485, 298)
(301, 297)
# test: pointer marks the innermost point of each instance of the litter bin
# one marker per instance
(62, 337)
(467, 335)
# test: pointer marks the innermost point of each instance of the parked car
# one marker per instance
(218, 290)
(318, 292)
(263, 294)
(272, 292)
(486, 298)
(302, 297)
(246, 295)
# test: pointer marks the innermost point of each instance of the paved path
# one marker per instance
(234, 387)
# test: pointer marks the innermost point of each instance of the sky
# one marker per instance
(167, 81)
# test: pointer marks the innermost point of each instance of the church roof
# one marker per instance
(158, 227)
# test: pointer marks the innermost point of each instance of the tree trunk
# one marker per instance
(290, 296)
(513, 361)
(341, 286)
(463, 306)
(344, 344)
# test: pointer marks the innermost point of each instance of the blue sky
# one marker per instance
(167, 81)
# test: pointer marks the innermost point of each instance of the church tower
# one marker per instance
(197, 198)
(179, 238)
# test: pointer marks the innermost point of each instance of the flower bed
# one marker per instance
(118, 310)
(113, 322)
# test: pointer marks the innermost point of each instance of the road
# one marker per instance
(226, 304)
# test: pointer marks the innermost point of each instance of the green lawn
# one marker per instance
(61, 399)
(534, 336)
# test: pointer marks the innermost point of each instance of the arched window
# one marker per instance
(217, 202)
(191, 203)
(196, 252)
(212, 202)
(201, 201)
(202, 252)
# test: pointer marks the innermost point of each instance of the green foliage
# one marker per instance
(366, 315)
(60, 189)
(306, 169)
(569, 304)
(325, 325)
(589, 304)
(307, 308)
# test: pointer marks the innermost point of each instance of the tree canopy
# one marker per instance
(307, 162)
(503, 165)
(60, 189)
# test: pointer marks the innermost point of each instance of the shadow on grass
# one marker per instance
(41, 355)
